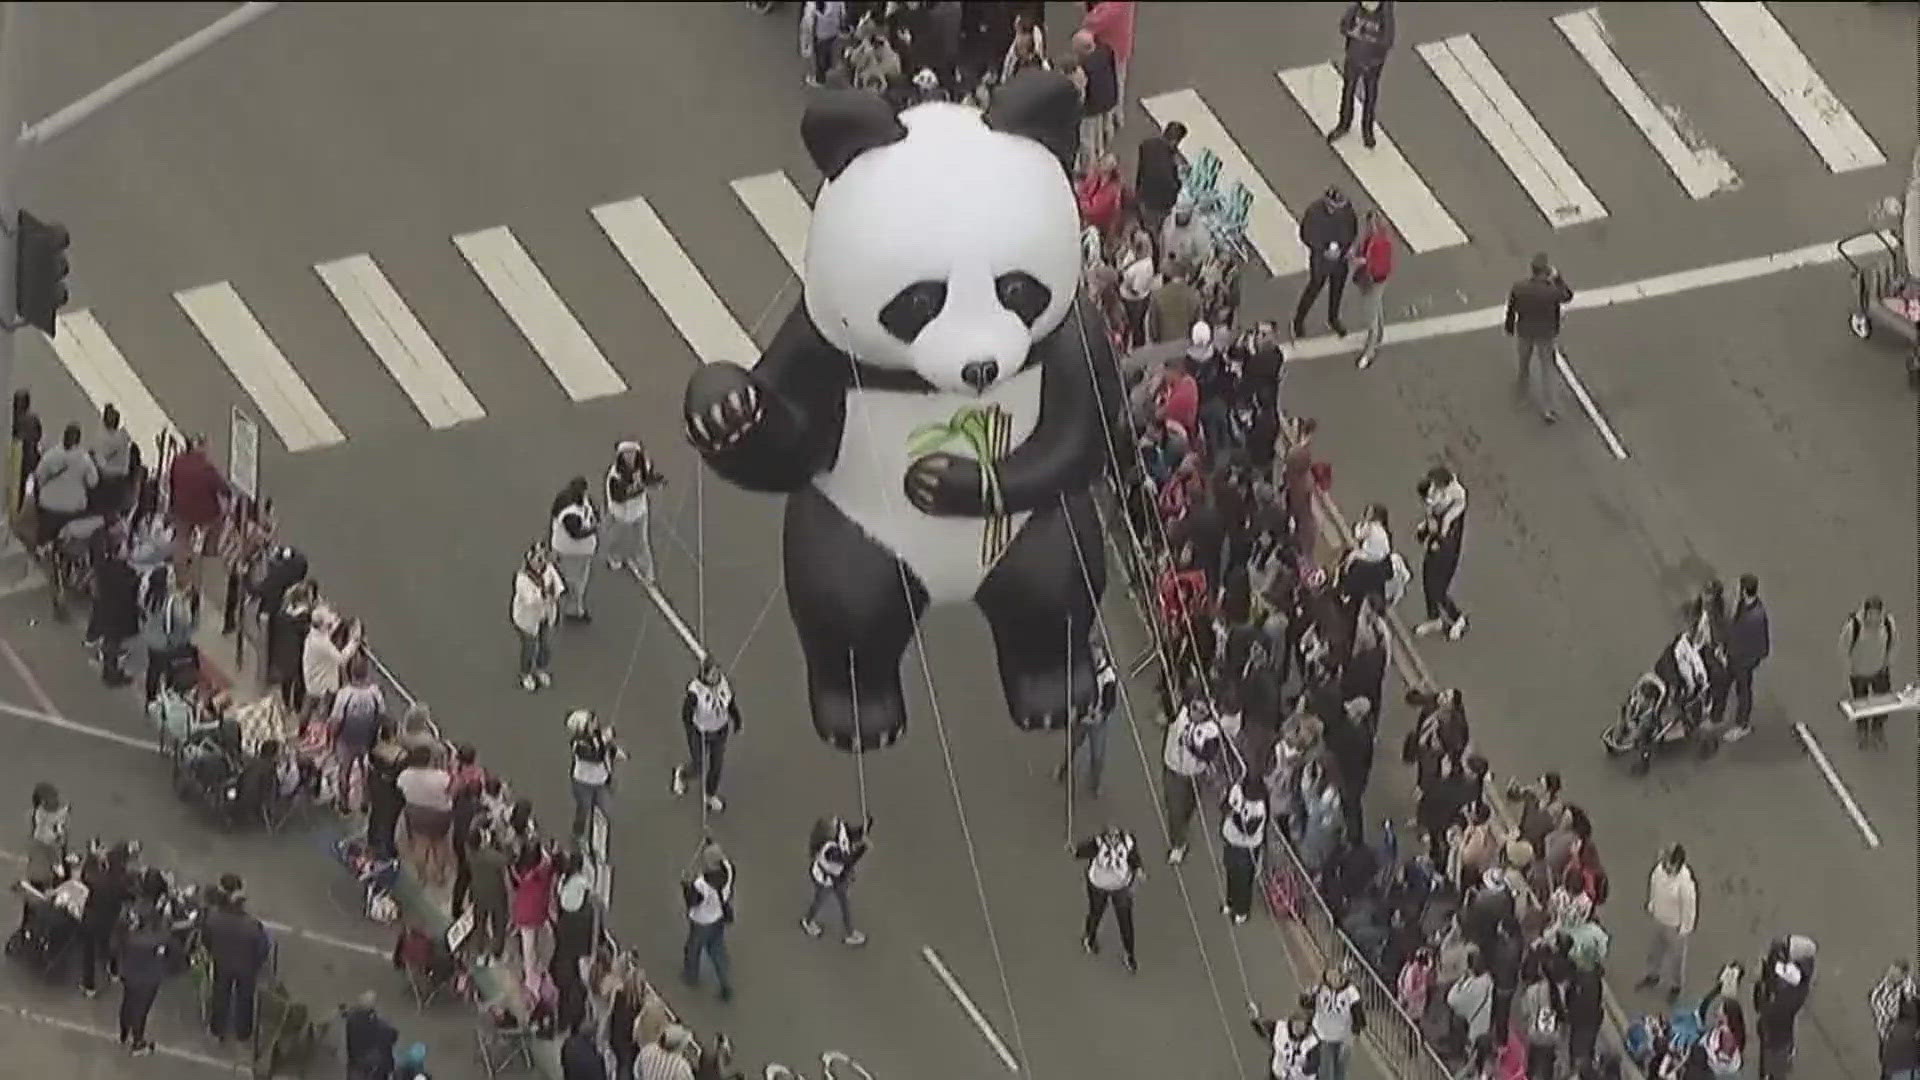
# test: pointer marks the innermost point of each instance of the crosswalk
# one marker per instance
(1468, 77)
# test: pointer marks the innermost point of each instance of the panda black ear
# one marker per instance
(1044, 107)
(840, 125)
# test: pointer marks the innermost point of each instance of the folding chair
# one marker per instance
(427, 964)
(504, 1044)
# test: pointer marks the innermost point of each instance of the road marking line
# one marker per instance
(104, 375)
(780, 211)
(973, 1012)
(1587, 404)
(1271, 230)
(1510, 129)
(55, 720)
(1839, 789)
(1383, 171)
(1698, 167)
(680, 627)
(403, 346)
(1486, 318)
(232, 332)
(1774, 59)
(677, 285)
(524, 293)
(32, 682)
(104, 1035)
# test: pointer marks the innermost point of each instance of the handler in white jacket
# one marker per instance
(537, 587)
(1674, 903)
(625, 539)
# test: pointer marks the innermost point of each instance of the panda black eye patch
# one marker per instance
(912, 308)
(1022, 294)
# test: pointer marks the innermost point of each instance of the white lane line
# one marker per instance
(1840, 791)
(1774, 59)
(524, 293)
(952, 984)
(104, 375)
(677, 285)
(1389, 180)
(54, 720)
(1271, 230)
(257, 364)
(1510, 129)
(403, 346)
(1698, 167)
(1467, 322)
(104, 1035)
(1588, 406)
(780, 211)
(680, 627)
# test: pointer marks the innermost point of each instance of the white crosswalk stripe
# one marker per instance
(677, 285)
(523, 292)
(1510, 129)
(780, 211)
(1769, 52)
(104, 375)
(1392, 184)
(232, 332)
(1272, 231)
(1699, 167)
(396, 337)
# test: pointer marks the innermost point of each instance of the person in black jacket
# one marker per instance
(239, 947)
(1099, 105)
(1367, 27)
(1533, 319)
(1328, 229)
(115, 617)
(109, 881)
(370, 1040)
(580, 1057)
(1156, 177)
(143, 967)
(1749, 640)
(1778, 996)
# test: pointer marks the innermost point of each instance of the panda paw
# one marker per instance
(946, 486)
(723, 405)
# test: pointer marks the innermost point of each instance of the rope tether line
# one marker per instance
(859, 742)
(1067, 627)
(946, 746)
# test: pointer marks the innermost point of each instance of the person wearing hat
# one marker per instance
(1533, 321)
(1328, 229)
(666, 1058)
(710, 714)
(537, 587)
(239, 947)
(708, 896)
(595, 752)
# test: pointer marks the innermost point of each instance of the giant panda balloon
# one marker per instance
(940, 327)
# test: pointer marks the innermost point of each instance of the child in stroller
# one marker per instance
(49, 920)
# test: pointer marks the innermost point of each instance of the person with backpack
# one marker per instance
(835, 848)
(1866, 647)
(1113, 869)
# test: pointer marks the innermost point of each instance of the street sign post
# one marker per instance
(243, 454)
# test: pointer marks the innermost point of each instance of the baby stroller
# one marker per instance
(1654, 717)
(49, 924)
(207, 773)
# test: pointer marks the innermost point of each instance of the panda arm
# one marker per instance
(1071, 441)
(803, 383)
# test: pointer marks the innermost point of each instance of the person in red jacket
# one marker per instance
(1372, 266)
(197, 493)
(1101, 196)
(1111, 24)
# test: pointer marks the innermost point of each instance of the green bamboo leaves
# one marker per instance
(985, 431)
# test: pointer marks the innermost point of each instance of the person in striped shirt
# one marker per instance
(835, 848)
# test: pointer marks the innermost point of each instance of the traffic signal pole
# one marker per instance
(17, 139)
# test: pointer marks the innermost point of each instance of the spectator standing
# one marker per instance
(168, 632)
(427, 787)
(1328, 230)
(629, 541)
(821, 23)
(1442, 532)
(708, 896)
(239, 947)
(1674, 902)
(1900, 1043)
(26, 434)
(1099, 110)
(144, 958)
(537, 588)
(1372, 265)
(117, 457)
(1174, 306)
(594, 752)
(1113, 869)
(665, 1058)
(1749, 640)
(531, 879)
(1883, 1001)
(1111, 23)
(114, 618)
(835, 849)
(1780, 992)
(1156, 175)
(197, 495)
(1138, 283)
(370, 1040)
(1367, 27)
(487, 864)
(1101, 197)
(580, 1056)
(63, 484)
(1533, 320)
(1027, 49)
(1183, 236)
(1866, 647)
(109, 880)
(574, 538)
(709, 714)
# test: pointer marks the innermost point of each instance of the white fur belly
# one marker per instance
(950, 555)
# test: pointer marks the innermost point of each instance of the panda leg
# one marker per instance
(1039, 605)
(854, 609)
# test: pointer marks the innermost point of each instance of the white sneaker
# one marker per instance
(1239, 920)
(812, 928)
(1177, 856)
(544, 678)
(1429, 628)
(855, 939)
(528, 684)
(616, 564)
(716, 804)
(1458, 630)
(1365, 360)
(679, 782)
(1736, 733)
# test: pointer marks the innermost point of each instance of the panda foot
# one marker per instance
(877, 721)
(1045, 700)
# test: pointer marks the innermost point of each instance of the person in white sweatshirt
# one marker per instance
(1674, 902)
(537, 587)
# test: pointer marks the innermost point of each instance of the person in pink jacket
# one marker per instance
(1111, 24)
(531, 877)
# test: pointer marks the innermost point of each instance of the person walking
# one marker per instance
(239, 947)
(1674, 902)
(1295, 1048)
(1866, 647)
(145, 956)
(1156, 178)
(1367, 28)
(1328, 230)
(1749, 640)
(1113, 869)
(710, 715)
(1090, 729)
(629, 540)
(537, 588)
(1099, 105)
(821, 23)
(708, 896)
(1193, 743)
(1243, 827)
(1533, 320)
(835, 848)
(574, 539)
(1372, 265)
(594, 752)
(1337, 1017)
(1441, 531)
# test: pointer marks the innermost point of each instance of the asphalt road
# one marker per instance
(326, 131)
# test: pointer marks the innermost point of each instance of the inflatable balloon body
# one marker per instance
(935, 408)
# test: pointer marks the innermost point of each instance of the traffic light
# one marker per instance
(40, 270)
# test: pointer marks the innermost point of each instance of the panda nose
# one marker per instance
(980, 374)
